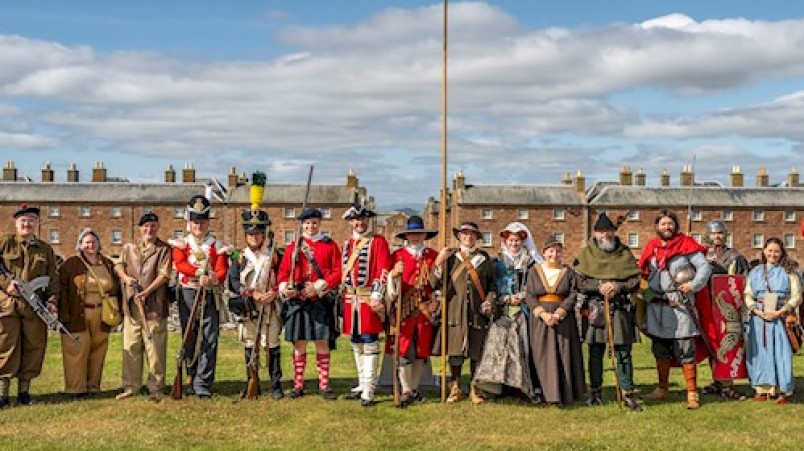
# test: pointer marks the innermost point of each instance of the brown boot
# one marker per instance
(661, 392)
(474, 397)
(455, 393)
(691, 376)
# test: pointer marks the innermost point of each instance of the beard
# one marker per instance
(607, 245)
(665, 234)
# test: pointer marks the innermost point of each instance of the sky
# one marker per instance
(535, 88)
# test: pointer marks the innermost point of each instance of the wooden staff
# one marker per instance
(141, 311)
(442, 217)
(397, 326)
(610, 330)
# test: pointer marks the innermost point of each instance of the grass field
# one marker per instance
(226, 421)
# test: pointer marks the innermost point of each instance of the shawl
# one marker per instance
(680, 244)
(618, 264)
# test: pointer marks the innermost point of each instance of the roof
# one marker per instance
(700, 196)
(525, 195)
(294, 194)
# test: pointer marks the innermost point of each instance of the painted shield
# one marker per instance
(722, 322)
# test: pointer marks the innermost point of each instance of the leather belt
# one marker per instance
(550, 298)
(91, 306)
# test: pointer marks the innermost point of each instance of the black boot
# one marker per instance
(275, 371)
(4, 402)
(594, 398)
(629, 400)
(248, 375)
(24, 399)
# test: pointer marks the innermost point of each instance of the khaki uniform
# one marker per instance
(145, 263)
(23, 335)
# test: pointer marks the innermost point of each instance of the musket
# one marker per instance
(27, 291)
(299, 238)
(397, 326)
(253, 384)
(177, 392)
(141, 310)
(610, 330)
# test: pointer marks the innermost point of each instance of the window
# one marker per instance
(757, 241)
(632, 215)
(117, 236)
(727, 215)
(729, 241)
(695, 215)
(178, 233)
(486, 213)
(178, 212)
(696, 237)
(289, 212)
(147, 210)
(759, 215)
(288, 236)
(53, 211)
(486, 239)
(522, 213)
(558, 214)
(326, 213)
(53, 236)
(789, 241)
(633, 240)
(84, 211)
(116, 212)
(559, 237)
(790, 216)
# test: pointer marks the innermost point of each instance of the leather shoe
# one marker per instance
(328, 394)
(367, 402)
(296, 393)
(277, 393)
(352, 395)
(4, 402)
(24, 399)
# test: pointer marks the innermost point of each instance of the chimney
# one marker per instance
(10, 172)
(351, 179)
(762, 177)
(72, 174)
(687, 176)
(170, 174)
(243, 178)
(567, 180)
(459, 182)
(626, 176)
(99, 172)
(640, 177)
(233, 179)
(580, 183)
(737, 177)
(188, 173)
(47, 173)
(793, 178)
(664, 179)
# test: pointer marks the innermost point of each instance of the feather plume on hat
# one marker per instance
(256, 191)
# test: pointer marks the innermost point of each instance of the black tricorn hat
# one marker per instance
(255, 221)
(467, 226)
(25, 209)
(416, 225)
(197, 208)
(604, 223)
(358, 209)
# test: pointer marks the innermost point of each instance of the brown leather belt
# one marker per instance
(91, 306)
(550, 298)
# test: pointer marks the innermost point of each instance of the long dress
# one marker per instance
(555, 351)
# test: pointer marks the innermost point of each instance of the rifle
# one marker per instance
(176, 391)
(253, 384)
(607, 308)
(397, 326)
(141, 311)
(299, 239)
(27, 291)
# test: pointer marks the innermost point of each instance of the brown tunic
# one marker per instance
(555, 351)
(146, 264)
(73, 276)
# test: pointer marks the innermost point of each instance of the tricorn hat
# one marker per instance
(604, 223)
(25, 209)
(358, 209)
(467, 226)
(416, 225)
(255, 221)
(197, 208)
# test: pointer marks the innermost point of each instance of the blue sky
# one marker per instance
(536, 88)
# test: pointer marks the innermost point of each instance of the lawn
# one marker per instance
(226, 421)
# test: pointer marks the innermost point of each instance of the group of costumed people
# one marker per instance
(520, 317)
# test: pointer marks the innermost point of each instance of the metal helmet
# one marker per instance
(716, 226)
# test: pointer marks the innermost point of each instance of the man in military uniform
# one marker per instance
(606, 268)
(724, 260)
(252, 279)
(366, 262)
(201, 263)
(23, 335)
(144, 270)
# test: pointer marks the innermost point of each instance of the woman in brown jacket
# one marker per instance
(85, 278)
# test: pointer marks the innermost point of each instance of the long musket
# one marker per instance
(610, 330)
(200, 296)
(141, 311)
(295, 255)
(253, 384)
(397, 327)
(27, 291)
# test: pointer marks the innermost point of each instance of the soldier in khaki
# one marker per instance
(144, 270)
(23, 335)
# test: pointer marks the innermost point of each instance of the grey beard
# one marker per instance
(607, 245)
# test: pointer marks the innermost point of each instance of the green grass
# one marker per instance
(226, 421)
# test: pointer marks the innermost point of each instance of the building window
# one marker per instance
(559, 237)
(633, 240)
(117, 236)
(326, 213)
(486, 213)
(759, 215)
(757, 241)
(522, 213)
(178, 212)
(695, 215)
(116, 212)
(178, 233)
(486, 239)
(696, 237)
(53, 211)
(84, 211)
(632, 215)
(146, 210)
(558, 214)
(727, 215)
(790, 216)
(729, 240)
(288, 236)
(53, 236)
(789, 241)
(289, 212)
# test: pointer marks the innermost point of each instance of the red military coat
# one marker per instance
(417, 322)
(326, 254)
(190, 267)
(364, 281)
